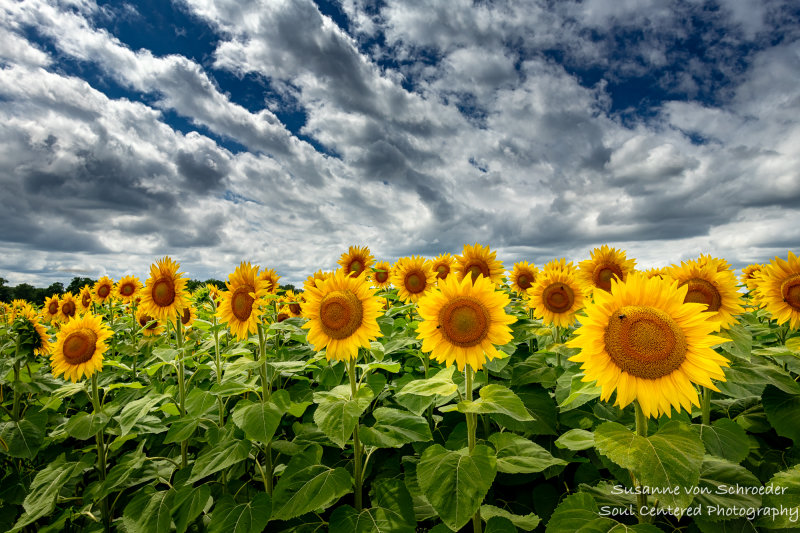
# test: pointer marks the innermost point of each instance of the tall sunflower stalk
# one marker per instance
(472, 422)
(101, 452)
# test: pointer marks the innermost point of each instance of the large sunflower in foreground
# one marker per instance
(79, 349)
(642, 341)
(476, 260)
(127, 288)
(67, 307)
(522, 277)
(557, 294)
(356, 261)
(51, 307)
(779, 290)
(413, 277)
(85, 298)
(463, 321)
(605, 264)
(239, 306)
(442, 265)
(380, 275)
(271, 277)
(164, 294)
(710, 286)
(342, 314)
(102, 290)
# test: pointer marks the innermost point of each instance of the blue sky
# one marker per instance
(283, 131)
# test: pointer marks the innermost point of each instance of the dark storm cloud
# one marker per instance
(202, 171)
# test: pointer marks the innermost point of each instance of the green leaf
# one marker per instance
(741, 341)
(576, 439)
(393, 428)
(672, 457)
(123, 474)
(518, 455)
(188, 503)
(441, 384)
(84, 426)
(181, 429)
(250, 517)
(393, 512)
(783, 412)
(455, 482)
(313, 487)
(24, 437)
(337, 414)
(720, 482)
(497, 399)
(533, 370)
(258, 420)
(579, 512)
(226, 453)
(200, 402)
(135, 410)
(422, 507)
(526, 522)
(724, 438)
(500, 524)
(149, 511)
(578, 392)
(782, 494)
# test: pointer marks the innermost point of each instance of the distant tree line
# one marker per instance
(36, 295)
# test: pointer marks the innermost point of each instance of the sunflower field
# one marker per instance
(429, 395)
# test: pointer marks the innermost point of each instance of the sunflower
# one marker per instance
(442, 265)
(319, 275)
(188, 316)
(779, 290)
(356, 261)
(79, 348)
(103, 290)
(127, 288)
(150, 326)
(51, 308)
(642, 340)
(413, 277)
(750, 276)
(710, 286)
(462, 321)
(719, 263)
(67, 307)
(85, 298)
(557, 294)
(271, 277)
(239, 306)
(35, 331)
(283, 314)
(164, 294)
(293, 304)
(604, 265)
(213, 292)
(522, 277)
(5, 311)
(380, 275)
(659, 272)
(342, 314)
(479, 261)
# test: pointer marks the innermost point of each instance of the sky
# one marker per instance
(281, 132)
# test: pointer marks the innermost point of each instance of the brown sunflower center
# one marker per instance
(476, 269)
(242, 302)
(703, 292)
(558, 298)
(186, 316)
(790, 290)
(295, 308)
(281, 317)
(524, 281)
(381, 276)
(52, 308)
(356, 267)
(442, 271)
(86, 299)
(127, 289)
(103, 291)
(340, 314)
(68, 308)
(144, 319)
(79, 346)
(604, 273)
(464, 321)
(414, 282)
(644, 341)
(163, 292)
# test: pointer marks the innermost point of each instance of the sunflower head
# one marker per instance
(644, 342)
(778, 290)
(164, 294)
(103, 290)
(51, 308)
(717, 262)
(85, 298)
(413, 277)
(188, 316)
(240, 304)
(605, 264)
(356, 261)
(79, 349)
(557, 294)
(68, 307)
(342, 314)
(151, 327)
(271, 278)
(127, 288)
(32, 332)
(442, 265)
(708, 285)
(293, 304)
(313, 279)
(463, 321)
(476, 261)
(380, 275)
(522, 277)
(750, 275)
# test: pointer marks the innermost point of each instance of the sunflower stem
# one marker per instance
(351, 370)
(706, 407)
(17, 397)
(262, 354)
(641, 499)
(101, 453)
(181, 387)
(472, 423)
(530, 341)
